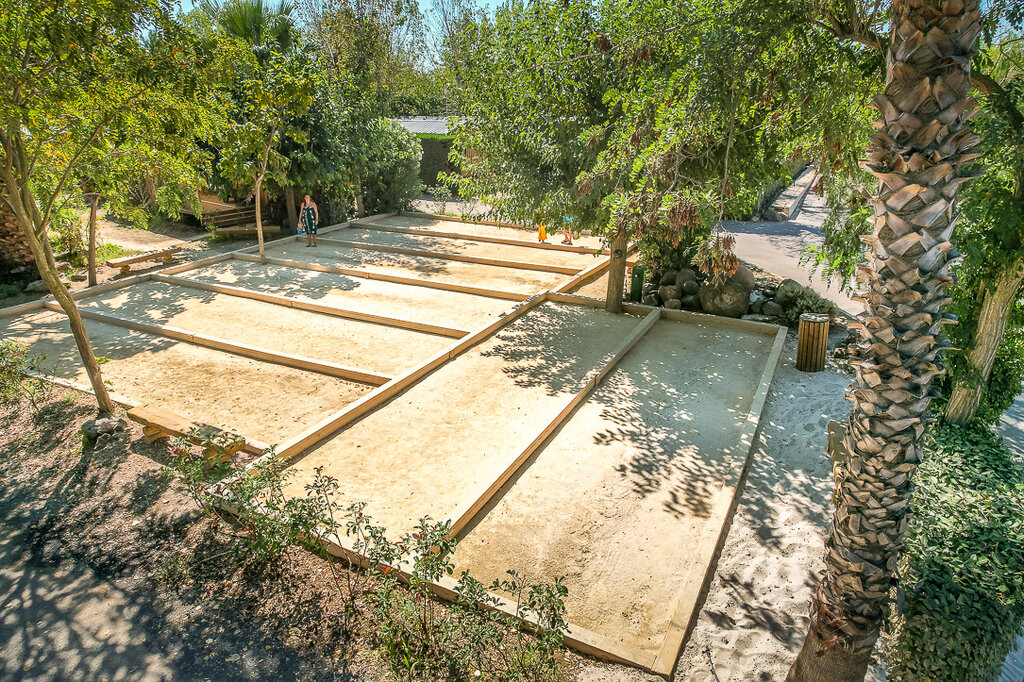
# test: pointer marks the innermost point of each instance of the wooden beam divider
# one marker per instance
(332, 423)
(299, 304)
(196, 264)
(245, 350)
(444, 255)
(706, 320)
(475, 501)
(582, 250)
(397, 279)
(694, 591)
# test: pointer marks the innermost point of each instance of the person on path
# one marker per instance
(309, 218)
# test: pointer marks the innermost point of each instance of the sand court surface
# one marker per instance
(559, 439)
(628, 484)
(423, 452)
(481, 230)
(259, 400)
(276, 328)
(436, 269)
(450, 308)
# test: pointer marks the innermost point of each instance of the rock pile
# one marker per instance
(762, 299)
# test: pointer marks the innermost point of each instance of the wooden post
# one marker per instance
(812, 342)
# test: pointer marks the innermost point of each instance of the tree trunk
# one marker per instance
(289, 206)
(94, 206)
(616, 273)
(916, 155)
(357, 194)
(996, 306)
(148, 184)
(48, 270)
(259, 217)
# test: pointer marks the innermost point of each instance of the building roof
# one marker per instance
(425, 124)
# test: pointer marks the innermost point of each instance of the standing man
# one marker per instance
(309, 218)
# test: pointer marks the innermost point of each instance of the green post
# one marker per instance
(636, 283)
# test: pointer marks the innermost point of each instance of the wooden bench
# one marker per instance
(125, 262)
(159, 423)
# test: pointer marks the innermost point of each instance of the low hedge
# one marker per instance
(963, 569)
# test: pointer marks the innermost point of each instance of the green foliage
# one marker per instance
(963, 570)
(392, 168)
(797, 300)
(15, 382)
(107, 250)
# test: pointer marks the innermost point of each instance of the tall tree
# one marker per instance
(918, 156)
(71, 75)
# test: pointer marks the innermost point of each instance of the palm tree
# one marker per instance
(266, 28)
(918, 156)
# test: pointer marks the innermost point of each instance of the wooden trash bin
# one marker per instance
(812, 342)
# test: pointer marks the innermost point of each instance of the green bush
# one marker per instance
(963, 569)
(15, 381)
(393, 168)
(797, 299)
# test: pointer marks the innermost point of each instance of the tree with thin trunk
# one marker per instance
(918, 156)
(270, 99)
(69, 75)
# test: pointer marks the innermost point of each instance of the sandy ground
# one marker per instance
(430, 448)
(435, 306)
(373, 347)
(486, 230)
(619, 500)
(436, 269)
(259, 400)
(510, 252)
(777, 246)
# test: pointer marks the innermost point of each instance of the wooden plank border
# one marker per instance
(691, 598)
(581, 250)
(476, 500)
(299, 304)
(397, 279)
(244, 350)
(336, 421)
(444, 255)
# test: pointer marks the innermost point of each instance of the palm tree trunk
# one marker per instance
(996, 305)
(917, 155)
(616, 273)
(94, 206)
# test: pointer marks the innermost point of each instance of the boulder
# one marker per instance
(63, 266)
(667, 293)
(669, 278)
(691, 303)
(650, 299)
(674, 304)
(744, 276)
(757, 300)
(79, 277)
(650, 288)
(685, 275)
(727, 298)
(36, 287)
(772, 309)
(689, 287)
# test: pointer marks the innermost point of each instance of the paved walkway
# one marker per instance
(776, 247)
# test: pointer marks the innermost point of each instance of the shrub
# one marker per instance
(15, 381)
(797, 299)
(963, 570)
(393, 168)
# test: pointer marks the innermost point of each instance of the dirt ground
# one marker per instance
(447, 308)
(528, 254)
(428, 449)
(619, 500)
(307, 334)
(258, 400)
(437, 269)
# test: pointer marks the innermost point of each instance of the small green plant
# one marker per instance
(21, 375)
(442, 194)
(106, 251)
(962, 575)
